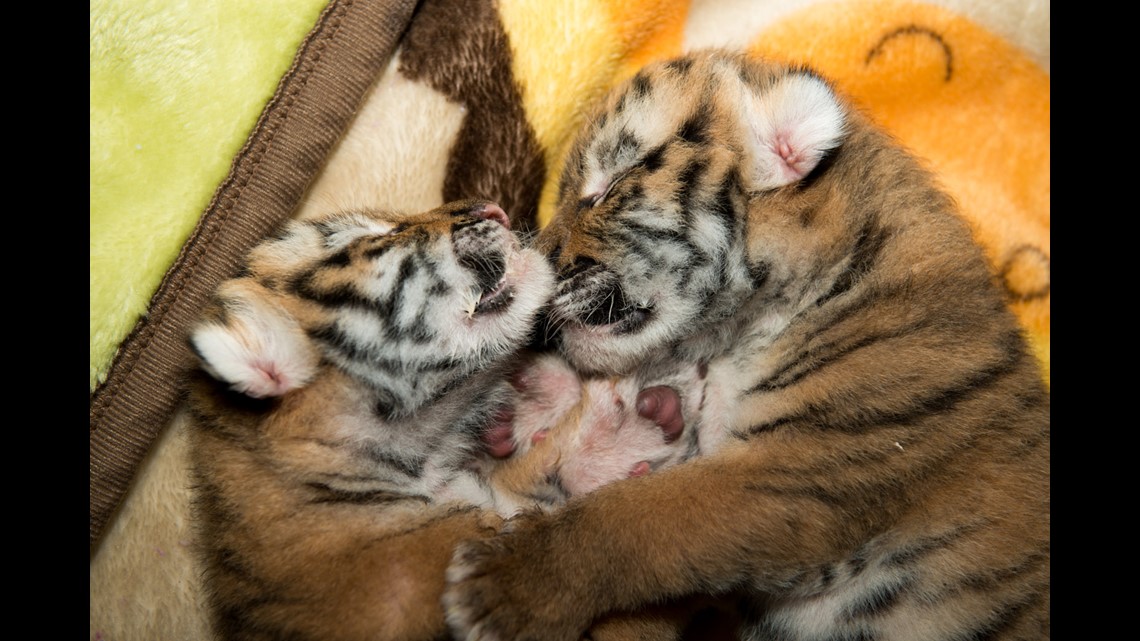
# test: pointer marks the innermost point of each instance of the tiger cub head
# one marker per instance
(408, 304)
(674, 205)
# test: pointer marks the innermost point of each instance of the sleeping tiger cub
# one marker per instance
(346, 380)
(874, 435)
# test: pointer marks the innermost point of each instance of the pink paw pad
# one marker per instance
(662, 405)
(498, 437)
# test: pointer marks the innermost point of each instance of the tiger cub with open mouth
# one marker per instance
(347, 381)
(874, 452)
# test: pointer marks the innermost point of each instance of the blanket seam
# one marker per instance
(270, 123)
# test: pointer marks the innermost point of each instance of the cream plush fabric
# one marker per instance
(211, 121)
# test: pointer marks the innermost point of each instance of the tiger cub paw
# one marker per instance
(547, 390)
(494, 594)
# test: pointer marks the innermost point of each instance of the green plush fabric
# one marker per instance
(176, 87)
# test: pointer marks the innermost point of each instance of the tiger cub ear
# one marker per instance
(790, 125)
(300, 243)
(251, 342)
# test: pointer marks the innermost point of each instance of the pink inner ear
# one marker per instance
(274, 381)
(797, 164)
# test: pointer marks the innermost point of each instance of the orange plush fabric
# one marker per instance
(969, 102)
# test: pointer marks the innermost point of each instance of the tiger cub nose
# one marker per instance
(491, 211)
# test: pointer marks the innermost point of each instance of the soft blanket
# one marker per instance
(212, 122)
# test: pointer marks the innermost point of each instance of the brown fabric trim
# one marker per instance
(341, 57)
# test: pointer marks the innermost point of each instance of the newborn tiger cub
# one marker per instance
(346, 381)
(874, 459)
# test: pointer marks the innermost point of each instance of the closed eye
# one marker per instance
(593, 199)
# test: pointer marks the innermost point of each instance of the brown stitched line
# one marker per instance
(143, 384)
(105, 394)
(186, 265)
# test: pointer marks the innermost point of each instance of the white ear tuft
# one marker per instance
(341, 229)
(258, 347)
(791, 125)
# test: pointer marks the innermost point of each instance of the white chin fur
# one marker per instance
(531, 281)
(599, 350)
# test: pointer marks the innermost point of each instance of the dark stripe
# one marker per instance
(413, 468)
(995, 578)
(759, 273)
(816, 359)
(326, 228)
(641, 85)
(220, 394)
(826, 576)
(723, 206)
(620, 107)
(821, 168)
(769, 426)
(918, 548)
(419, 332)
(871, 298)
(679, 65)
(813, 492)
(940, 401)
(334, 339)
(325, 494)
(877, 601)
(632, 227)
(627, 142)
(339, 296)
(807, 215)
(341, 258)
(695, 128)
(579, 265)
(575, 166)
(1007, 617)
(409, 268)
(630, 198)
(687, 180)
(377, 249)
(858, 561)
(386, 406)
(864, 254)
(979, 382)
(653, 160)
(451, 512)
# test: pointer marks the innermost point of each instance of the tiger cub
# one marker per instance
(877, 465)
(346, 380)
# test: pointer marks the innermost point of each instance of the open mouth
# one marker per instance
(496, 298)
(594, 298)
